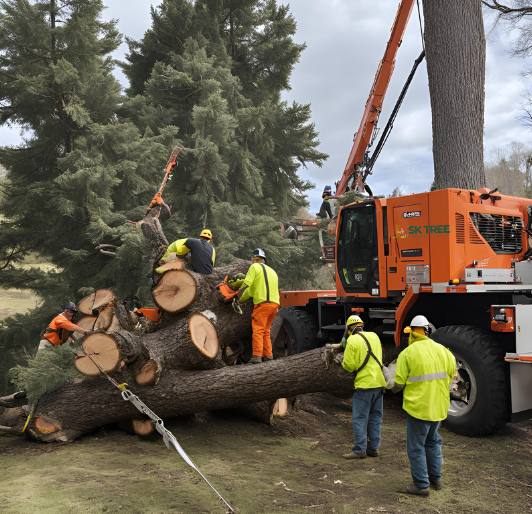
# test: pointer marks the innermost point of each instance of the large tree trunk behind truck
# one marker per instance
(456, 58)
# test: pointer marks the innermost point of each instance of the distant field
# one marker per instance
(15, 301)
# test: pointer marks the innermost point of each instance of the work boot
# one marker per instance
(353, 455)
(372, 453)
(436, 484)
(255, 360)
(267, 358)
(413, 489)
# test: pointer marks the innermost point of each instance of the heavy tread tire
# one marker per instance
(483, 355)
(301, 327)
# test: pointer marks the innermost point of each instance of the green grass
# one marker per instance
(294, 467)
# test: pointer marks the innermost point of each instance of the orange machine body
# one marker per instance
(444, 230)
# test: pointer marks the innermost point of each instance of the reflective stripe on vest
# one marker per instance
(428, 376)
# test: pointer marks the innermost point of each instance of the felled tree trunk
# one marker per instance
(75, 409)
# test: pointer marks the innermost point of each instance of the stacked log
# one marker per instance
(183, 364)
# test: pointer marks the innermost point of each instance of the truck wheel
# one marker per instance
(480, 363)
(301, 329)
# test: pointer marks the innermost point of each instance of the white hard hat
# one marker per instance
(420, 321)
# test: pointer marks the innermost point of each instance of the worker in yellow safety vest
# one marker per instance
(425, 370)
(363, 355)
(262, 286)
(202, 254)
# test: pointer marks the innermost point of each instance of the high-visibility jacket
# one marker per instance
(202, 254)
(58, 330)
(263, 284)
(355, 353)
(426, 369)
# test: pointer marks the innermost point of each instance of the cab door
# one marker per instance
(409, 240)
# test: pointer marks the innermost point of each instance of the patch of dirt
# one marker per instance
(294, 466)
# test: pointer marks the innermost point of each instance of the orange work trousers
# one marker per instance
(261, 321)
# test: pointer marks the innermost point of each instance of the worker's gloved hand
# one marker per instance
(159, 270)
(389, 374)
(343, 342)
(239, 276)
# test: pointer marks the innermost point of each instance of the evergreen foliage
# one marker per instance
(208, 75)
(47, 371)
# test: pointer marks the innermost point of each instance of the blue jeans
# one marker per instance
(423, 445)
(367, 418)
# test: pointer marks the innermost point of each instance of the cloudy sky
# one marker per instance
(345, 42)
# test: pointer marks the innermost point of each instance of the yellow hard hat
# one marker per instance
(354, 320)
(206, 234)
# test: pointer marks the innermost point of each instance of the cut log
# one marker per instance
(149, 373)
(103, 349)
(178, 264)
(96, 301)
(104, 318)
(203, 335)
(108, 351)
(142, 427)
(78, 408)
(175, 291)
(87, 322)
(280, 409)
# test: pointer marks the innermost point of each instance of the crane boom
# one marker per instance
(365, 133)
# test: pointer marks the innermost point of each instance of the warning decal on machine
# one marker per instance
(412, 252)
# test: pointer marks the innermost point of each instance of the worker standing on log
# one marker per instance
(202, 254)
(363, 355)
(262, 286)
(59, 329)
(425, 370)
(325, 209)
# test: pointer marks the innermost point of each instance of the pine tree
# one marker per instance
(244, 146)
(81, 171)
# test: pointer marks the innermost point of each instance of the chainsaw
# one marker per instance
(227, 292)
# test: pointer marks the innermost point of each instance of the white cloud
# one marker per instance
(345, 42)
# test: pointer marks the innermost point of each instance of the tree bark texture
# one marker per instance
(456, 57)
(177, 366)
(77, 408)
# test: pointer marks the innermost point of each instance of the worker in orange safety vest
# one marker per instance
(60, 327)
(262, 286)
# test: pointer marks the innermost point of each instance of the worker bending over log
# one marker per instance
(262, 285)
(60, 327)
(202, 254)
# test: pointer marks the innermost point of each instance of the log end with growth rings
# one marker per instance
(96, 301)
(203, 335)
(175, 291)
(103, 350)
(148, 373)
(87, 322)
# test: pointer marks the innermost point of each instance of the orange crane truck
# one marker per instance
(459, 257)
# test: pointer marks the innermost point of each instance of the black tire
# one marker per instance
(301, 329)
(480, 362)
